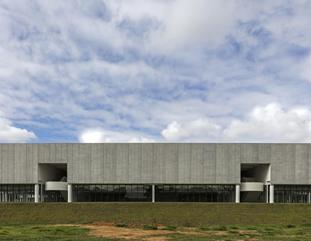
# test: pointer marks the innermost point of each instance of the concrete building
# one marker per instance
(155, 172)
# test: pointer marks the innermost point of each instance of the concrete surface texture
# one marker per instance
(176, 163)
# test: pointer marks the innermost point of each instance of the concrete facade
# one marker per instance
(155, 163)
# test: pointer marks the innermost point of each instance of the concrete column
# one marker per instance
(36, 193)
(153, 193)
(69, 193)
(309, 197)
(271, 194)
(237, 193)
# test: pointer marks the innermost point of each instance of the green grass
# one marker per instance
(46, 233)
(288, 222)
(121, 225)
(248, 233)
(213, 233)
(167, 214)
(169, 228)
(150, 227)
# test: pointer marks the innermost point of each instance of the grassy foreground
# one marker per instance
(43, 233)
(171, 221)
(177, 214)
(210, 233)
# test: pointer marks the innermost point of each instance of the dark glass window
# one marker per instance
(292, 193)
(111, 193)
(195, 193)
(17, 193)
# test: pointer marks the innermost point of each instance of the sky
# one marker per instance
(155, 71)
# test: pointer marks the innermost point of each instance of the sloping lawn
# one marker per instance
(176, 214)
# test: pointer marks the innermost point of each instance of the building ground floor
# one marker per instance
(254, 185)
(64, 192)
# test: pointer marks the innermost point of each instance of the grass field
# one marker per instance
(213, 233)
(177, 214)
(155, 222)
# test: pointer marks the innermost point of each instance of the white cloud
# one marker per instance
(99, 135)
(270, 123)
(67, 64)
(197, 130)
(10, 133)
(194, 23)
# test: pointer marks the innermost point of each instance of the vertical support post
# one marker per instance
(237, 193)
(36, 193)
(309, 198)
(153, 193)
(271, 194)
(69, 193)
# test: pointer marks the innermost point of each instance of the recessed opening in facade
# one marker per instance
(255, 179)
(53, 182)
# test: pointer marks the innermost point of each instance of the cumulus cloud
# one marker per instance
(269, 123)
(272, 123)
(197, 130)
(10, 133)
(99, 135)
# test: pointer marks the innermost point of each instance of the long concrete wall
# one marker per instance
(155, 162)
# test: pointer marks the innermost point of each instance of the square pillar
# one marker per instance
(36, 193)
(271, 194)
(153, 193)
(237, 193)
(69, 193)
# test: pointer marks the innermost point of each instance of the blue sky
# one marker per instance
(155, 71)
